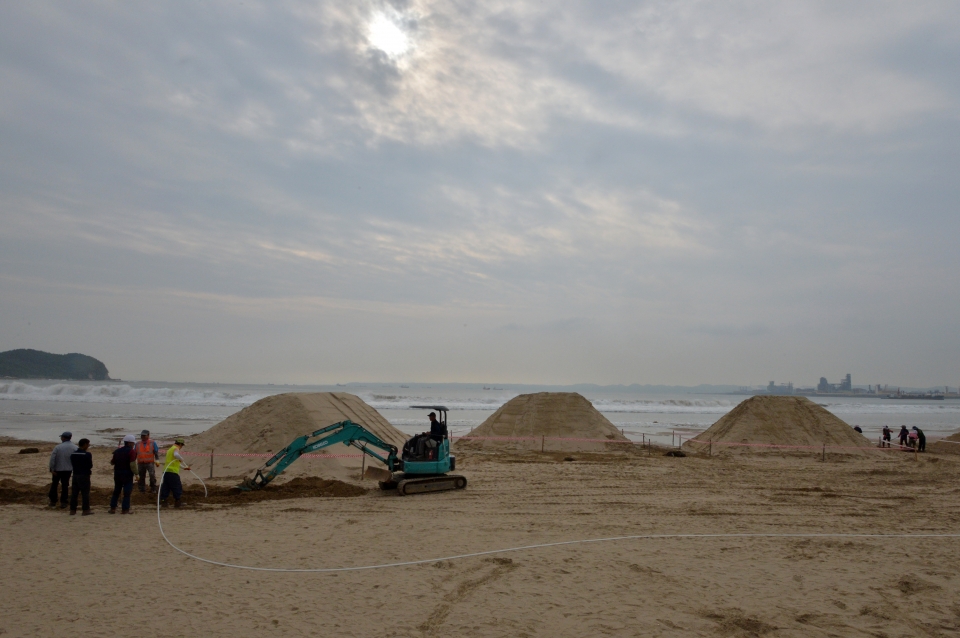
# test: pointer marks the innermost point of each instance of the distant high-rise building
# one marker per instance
(847, 384)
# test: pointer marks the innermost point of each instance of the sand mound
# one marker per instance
(272, 423)
(546, 414)
(780, 420)
(949, 445)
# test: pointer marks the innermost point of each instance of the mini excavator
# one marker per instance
(423, 465)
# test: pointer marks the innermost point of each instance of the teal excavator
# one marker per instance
(424, 464)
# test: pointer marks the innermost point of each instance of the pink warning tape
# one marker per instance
(267, 456)
(799, 447)
(538, 438)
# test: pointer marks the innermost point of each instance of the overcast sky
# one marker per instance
(540, 192)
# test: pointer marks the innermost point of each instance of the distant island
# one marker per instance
(34, 364)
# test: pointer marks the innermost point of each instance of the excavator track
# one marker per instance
(431, 484)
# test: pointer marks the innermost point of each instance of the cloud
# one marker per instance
(614, 172)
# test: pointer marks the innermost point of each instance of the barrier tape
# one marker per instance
(891, 448)
(267, 456)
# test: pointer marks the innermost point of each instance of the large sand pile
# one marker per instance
(780, 420)
(546, 414)
(272, 423)
(949, 445)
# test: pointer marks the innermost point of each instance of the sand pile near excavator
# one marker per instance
(529, 419)
(760, 424)
(270, 424)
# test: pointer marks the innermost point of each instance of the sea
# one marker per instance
(105, 411)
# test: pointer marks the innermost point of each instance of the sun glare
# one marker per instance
(386, 35)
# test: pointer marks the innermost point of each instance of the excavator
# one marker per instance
(424, 464)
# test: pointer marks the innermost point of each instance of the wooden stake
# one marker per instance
(543, 442)
(363, 465)
(824, 452)
(211, 462)
(711, 447)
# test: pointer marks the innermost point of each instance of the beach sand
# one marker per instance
(115, 576)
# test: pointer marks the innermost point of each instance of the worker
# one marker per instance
(82, 462)
(885, 441)
(124, 462)
(148, 457)
(921, 439)
(60, 469)
(904, 435)
(171, 474)
(437, 429)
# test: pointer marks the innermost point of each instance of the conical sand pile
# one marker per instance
(552, 415)
(780, 421)
(272, 423)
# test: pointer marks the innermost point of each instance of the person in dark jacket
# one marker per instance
(124, 464)
(921, 439)
(437, 429)
(82, 462)
(60, 469)
(904, 435)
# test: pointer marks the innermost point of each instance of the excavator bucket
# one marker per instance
(378, 474)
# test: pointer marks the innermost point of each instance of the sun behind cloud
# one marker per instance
(386, 34)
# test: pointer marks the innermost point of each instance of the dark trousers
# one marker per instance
(171, 483)
(64, 479)
(922, 444)
(124, 483)
(81, 487)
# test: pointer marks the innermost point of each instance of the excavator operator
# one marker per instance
(437, 429)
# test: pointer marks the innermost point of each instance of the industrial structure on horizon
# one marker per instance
(845, 388)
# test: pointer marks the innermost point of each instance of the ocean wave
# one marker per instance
(122, 393)
(491, 403)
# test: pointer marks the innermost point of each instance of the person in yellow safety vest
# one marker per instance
(148, 457)
(171, 474)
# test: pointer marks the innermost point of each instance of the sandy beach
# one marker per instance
(115, 576)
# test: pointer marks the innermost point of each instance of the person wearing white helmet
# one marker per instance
(124, 464)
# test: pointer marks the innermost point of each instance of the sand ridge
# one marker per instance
(780, 421)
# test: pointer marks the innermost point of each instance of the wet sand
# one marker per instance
(115, 576)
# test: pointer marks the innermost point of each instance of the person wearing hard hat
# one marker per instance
(124, 462)
(171, 474)
(148, 457)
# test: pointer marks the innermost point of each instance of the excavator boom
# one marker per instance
(346, 432)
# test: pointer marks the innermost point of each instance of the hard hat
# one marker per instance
(179, 440)
(129, 439)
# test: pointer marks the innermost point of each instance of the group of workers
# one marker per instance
(131, 459)
(913, 438)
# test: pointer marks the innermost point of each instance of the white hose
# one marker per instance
(521, 548)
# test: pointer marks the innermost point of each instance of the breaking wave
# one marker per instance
(122, 393)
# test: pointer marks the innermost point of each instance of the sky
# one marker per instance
(558, 192)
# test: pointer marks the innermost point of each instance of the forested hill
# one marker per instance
(34, 364)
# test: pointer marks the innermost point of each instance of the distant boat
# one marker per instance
(404, 386)
(915, 397)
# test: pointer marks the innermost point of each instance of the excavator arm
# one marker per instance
(346, 432)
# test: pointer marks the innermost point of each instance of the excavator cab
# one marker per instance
(427, 462)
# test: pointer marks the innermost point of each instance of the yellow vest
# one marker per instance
(172, 465)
